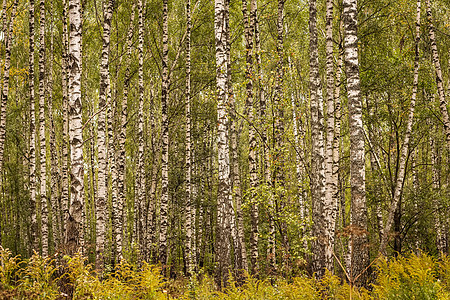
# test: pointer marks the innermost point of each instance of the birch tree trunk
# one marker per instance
(438, 228)
(141, 178)
(359, 249)
(65, 127)
(42, 126)
(330, 203)
(222, 242)
(398, 190)
(317, 157)
(104, 90)
(121, 161)
(236, 186)
(249, 24)
(5, 87)
(151, 220)
(32, 150)
(190, 209)
(231, 210)
(265, 155)
(112, 168)
(74, 229)
(439, 80)
(54, 170)
(337, 133)
(165, 141)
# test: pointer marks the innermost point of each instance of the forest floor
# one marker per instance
(408, 277)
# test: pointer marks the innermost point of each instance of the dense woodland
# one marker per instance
(262, 137)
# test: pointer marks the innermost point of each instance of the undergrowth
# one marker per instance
(409, 277)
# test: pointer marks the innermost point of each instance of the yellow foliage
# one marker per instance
(410, 277)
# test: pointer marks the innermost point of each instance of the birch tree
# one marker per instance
(65, 126)
(74, 228)
(121, 157)
(141, 179)
(5, 87)
(358, 242)
(223, 244)
(42, 126)
(190, 210)
(101, 201)
(438, 70)
(330, 203)
(249, 25)
(317, 157)
(32, 150)
(165, 140)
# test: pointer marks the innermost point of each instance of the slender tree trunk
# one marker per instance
(265, 157)
(222, 242)
(104, 90)
(112, 168)
(278, 152)
(405, 147)
(438, 228)
(32, 150)
(236, 186)
(5, 88)
(121, 163)
(298, 163)
(65, 127)
(141, 182)
(249, 28)
(74, 228)
(337, 133)
(42, 131)
(54, 173)
(330, 202)
(317, 158)
(416, 185)
(231, 210)
(360, 252)
(4, 16)
(190, 209)
(165, 141)
(439, 80)
(151, 221)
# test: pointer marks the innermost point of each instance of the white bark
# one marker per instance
(121, 229)
(439, 80)
(141, 179)
(317, 157)
(223, 228)
(330, 202)
(32, 150)
(190, 208)
(104, 90)
(358, 243)
(249, 24)
(74, 228)
(165, 142)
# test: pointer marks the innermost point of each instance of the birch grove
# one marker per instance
(271, 139)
